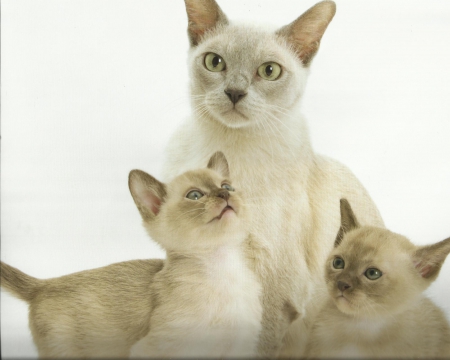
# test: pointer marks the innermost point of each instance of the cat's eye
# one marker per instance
(214, 62)
(194, 195)
(338, 263)
(269, 71)
(373, 274)
(227, 187)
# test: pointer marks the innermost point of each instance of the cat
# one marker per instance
(207, 297)
(246, 86)
(375, 280)
(93, 313)
(103, 312)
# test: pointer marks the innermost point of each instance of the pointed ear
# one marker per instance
(348, 221)
(148, 193)
(203, 15)
(429, 259)
(219, 163)
(305, 32)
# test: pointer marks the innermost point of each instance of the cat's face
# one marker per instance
(243, 76)
(198, 210)
(372, 273)
(202, 210)
(246, 76)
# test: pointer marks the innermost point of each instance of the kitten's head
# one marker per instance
(242, 76)
(373, 272)
(198, 210)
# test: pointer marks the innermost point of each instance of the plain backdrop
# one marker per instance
(93, 89)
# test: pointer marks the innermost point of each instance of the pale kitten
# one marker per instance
(103, 312)
(376, 309)
(206, 298)
(246, 86)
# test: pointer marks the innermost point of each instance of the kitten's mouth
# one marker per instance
(225, 209)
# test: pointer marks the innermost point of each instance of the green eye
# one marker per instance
(338, 263)
(269, 71)
(194, 195)
(373, 274)
(214, 62)
(227, 187)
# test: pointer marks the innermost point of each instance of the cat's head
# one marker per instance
(373, 272)
(242, 75)
(198, 210)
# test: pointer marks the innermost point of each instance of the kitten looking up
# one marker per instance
(206, 296)
(375, 279)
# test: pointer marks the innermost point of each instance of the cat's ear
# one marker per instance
(348, 221)
(147, 192)
(203, 15)
(219, 163)
(305, 33)
(429, 259)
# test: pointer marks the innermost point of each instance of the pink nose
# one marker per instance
(343, 286)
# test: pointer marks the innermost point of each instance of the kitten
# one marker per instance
(375, 280)
(93, 313)
(103, 312)
(206, 298)
(246, 87)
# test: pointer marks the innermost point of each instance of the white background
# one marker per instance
(93, 89)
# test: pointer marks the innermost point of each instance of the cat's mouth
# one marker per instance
(225, 209)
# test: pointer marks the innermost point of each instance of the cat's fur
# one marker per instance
(93, 313)
(206, 298)
(383, 317)
(292, 192)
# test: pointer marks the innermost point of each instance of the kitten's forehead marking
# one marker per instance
(204, 179)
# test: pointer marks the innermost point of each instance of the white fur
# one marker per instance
(227, 318)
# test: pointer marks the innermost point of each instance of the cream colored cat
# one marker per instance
(246, 87)
(206, 298)
(92, 313)
(375, 280)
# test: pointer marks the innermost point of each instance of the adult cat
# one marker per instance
(246, 86)
(375, 279)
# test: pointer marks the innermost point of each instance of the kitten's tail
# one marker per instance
(18, 283)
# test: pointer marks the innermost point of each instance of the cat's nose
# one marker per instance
(235, 95)
(224, 194)
(343, 286)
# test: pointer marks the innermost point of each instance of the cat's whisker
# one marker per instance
(188, 211)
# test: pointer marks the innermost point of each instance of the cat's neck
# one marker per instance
(286, 136)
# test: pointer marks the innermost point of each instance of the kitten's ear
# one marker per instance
(148, 193)
(219, 163)
(348, 221)
(305, 32)
(429, 259)
(203, 15)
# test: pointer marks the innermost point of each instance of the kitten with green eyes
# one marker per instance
(203, 300)
(375, 280)
(246, 86)
(207, 297)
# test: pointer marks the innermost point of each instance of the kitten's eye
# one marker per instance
(227, 187)
(373, 274)
(338, 263)
(269, 71)
(194, 195)
(214, 62)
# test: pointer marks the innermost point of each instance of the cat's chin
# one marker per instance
(234, 119)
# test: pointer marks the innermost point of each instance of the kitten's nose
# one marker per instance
(235, 95)
(343, 286)
(224, 194)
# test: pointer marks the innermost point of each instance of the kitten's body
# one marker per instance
(93, 313)
(206, 298)
(383, 317)
(265, 139)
